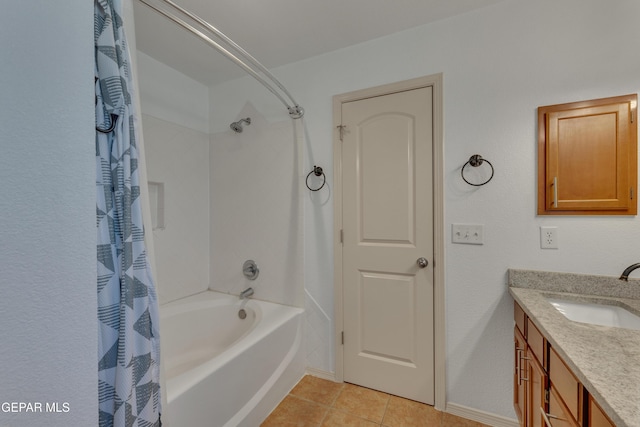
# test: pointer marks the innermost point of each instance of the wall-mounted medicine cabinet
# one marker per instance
(587, 157)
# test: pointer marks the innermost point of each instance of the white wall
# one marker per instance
(175, 122)
(47, 212)
(499, 63)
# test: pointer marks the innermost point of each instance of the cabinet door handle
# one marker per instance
(520, 377)
(546, 417)
(519, 360)
(555, 191)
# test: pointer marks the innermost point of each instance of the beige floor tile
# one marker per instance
(449, 420)
(362, 402)
(296, 412)
(336, 418)
(317, 390)
(407, 413)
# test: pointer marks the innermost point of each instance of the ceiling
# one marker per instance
(278, 32)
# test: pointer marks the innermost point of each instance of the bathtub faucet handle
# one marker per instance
(246, 293)
(250, 269)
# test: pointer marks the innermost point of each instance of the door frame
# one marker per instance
(435, 82)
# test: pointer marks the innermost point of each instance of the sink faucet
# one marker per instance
(246, 293)
(628, 270)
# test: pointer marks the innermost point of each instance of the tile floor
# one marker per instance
(315, 402)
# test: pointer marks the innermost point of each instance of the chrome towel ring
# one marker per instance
(475, 161)
(317, 171)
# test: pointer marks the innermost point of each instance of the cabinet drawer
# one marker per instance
(520, 318)
(564, 382)
(597, 418)
(536, 342)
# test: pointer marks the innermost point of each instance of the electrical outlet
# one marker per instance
(469, 234)
(549, 237)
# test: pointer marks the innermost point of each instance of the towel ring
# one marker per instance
(475, 161)
(317, 171)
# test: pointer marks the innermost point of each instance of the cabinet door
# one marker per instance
(537, 380)
(588, 157)
(566, 384)
(558, 415)
(519, 381)
(597, 418)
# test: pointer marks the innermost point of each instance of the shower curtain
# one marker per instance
(129, 350)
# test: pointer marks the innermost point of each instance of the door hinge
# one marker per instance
(342, 337)
(546, 395)
(341, 236)
(341, 131)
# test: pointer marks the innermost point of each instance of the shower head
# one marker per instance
(237, 126)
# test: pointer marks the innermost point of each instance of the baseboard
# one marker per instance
(480, 416)
(331, 376)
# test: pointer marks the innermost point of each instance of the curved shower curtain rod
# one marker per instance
(295, 111)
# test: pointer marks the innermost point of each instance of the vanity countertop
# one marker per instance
(606, 360)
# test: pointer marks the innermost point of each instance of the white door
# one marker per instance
(387, 237)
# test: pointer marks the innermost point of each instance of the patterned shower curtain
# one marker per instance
(129, 350)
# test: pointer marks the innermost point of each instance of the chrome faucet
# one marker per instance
(628, 270)
(246, 293)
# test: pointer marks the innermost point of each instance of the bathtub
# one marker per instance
(223, 371)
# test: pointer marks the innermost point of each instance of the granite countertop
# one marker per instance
(606, 360)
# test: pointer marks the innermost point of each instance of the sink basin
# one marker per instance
(596, 314)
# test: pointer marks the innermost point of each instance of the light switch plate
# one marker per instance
(468, 234)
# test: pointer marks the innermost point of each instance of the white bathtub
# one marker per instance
(222, 371)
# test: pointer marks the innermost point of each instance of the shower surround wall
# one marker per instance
(256, 208)
(228, 196)
(177, 154)
(179, 158)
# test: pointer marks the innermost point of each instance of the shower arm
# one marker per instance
(295, 111)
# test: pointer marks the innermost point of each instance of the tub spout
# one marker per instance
(246, 293)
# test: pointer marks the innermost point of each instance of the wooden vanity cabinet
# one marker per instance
(559, 415)
(530, 378)
(536, 399)
(519, 386)
(565, 400)
(596, 415)
(545, 387)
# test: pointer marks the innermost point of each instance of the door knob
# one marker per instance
(422, 262)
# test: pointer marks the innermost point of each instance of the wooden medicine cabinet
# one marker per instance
(587, 157)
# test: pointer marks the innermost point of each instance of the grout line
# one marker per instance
(309, 400)
(356, 416)
(335, 399)
(386, 407)
(325, 416)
